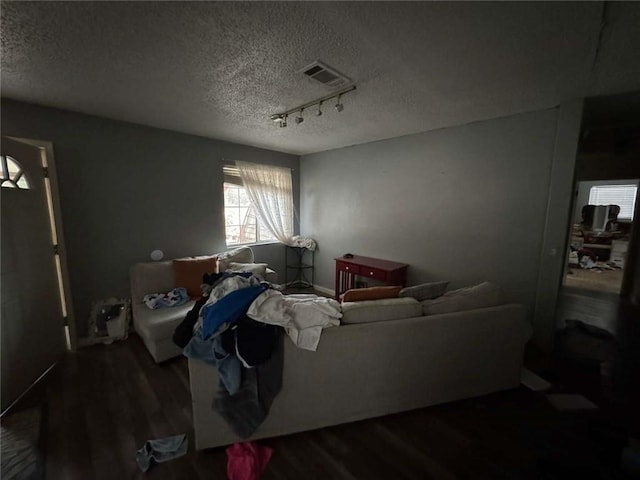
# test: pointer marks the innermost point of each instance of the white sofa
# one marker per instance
(156, 327)
(365, 370)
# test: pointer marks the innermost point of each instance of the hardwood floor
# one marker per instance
(616, 389)
(104, 402)
(596, 279)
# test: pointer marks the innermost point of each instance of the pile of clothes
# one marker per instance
(237, 327)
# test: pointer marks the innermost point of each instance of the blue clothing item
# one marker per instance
(212, 352)
(161, 450)
(177, 296)
(229, 308)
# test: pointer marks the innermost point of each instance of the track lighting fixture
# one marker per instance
(281, 118)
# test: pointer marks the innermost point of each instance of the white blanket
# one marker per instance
(302, 316)
(305, 242)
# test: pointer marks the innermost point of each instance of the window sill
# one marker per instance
(256, 244)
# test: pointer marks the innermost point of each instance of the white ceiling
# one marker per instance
(221, 69)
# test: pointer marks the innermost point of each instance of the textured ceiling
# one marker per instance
(221, 69)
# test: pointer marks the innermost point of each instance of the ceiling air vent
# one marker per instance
(325, 75)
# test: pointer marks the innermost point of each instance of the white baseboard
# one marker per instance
(325, 290)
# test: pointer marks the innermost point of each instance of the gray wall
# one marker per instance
(464, 204)
(604, 166)
(126, 190)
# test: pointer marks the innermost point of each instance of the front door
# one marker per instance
(31, 325)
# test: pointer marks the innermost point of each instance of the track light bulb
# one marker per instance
(299, 118)
(277, 117)
(339, 106)
(319, 112)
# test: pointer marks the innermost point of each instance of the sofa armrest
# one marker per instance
(271, 276)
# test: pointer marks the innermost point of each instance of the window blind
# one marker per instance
(621, 195)
(231, 174)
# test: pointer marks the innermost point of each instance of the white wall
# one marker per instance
(127, 189)
(464, 204)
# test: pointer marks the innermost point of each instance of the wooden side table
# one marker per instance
(347, 269)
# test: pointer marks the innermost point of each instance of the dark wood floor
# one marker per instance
(104, 402)
(617, 389)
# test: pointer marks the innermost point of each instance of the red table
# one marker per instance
(347, 269)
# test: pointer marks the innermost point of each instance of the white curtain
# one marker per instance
(270, 191)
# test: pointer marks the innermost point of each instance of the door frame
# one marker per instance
(47, 152)
(631, 260)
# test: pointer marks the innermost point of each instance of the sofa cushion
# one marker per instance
(159, 324)
(188, 273)
(425, 291)
(483, 295)
(151, 277)
(379, 310)
(370, 293)
(238, 255)
(258, 269)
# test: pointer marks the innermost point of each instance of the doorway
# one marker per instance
(37, 323)
(602, 271)
(600, 233)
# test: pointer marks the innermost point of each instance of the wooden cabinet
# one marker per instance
(348, 269)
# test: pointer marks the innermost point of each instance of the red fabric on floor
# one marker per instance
(247, 460)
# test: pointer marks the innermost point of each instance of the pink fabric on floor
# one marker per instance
(247, 460)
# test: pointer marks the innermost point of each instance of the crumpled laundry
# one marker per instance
(228, 309)
(161, 450)
(229, 282)
(304, 242)
(247, 460)
(587, 262)
(175, 297)
(212, 351)
(245, 411)
(303, 316)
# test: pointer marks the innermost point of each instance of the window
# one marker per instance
(621, 195)
(240, 221)
(12, 174)
(258, 203)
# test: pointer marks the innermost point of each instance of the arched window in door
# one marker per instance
(12, 174)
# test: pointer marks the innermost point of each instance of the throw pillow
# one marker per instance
(483, 295)
(188, 273)
(425, 291)
(258, 269)
(238, 255)
(370, 293)
(380, 310)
